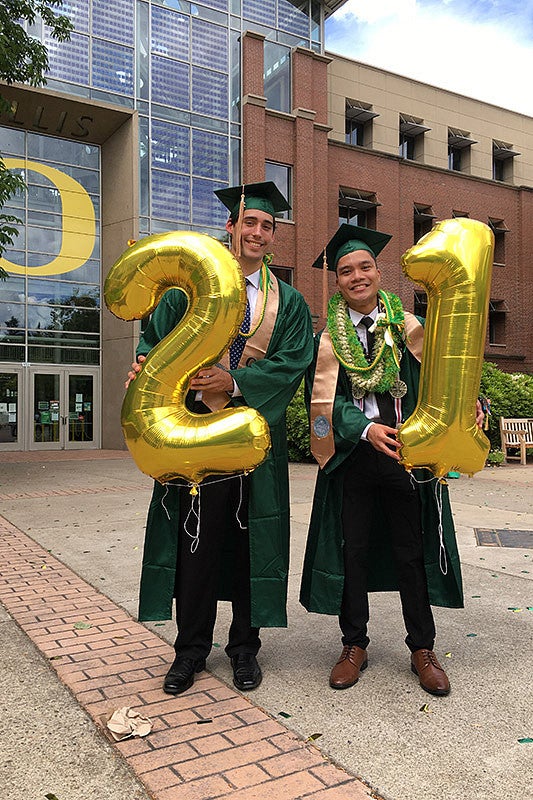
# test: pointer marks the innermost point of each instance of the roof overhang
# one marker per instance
(330, 6)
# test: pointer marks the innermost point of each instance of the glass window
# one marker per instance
(68, 318)
(210, 155)
(170, 33)
(9, 410)
(142, 60)
(263, 11)
(47, 148)
(222, 5)
(112, 67)
(454, 158)
(52, 292)
(170, 196)
(170, 82)
(497, 317)
(354, 132)
(113, 20)
(277, 76)
(209, 45)
(170, 146)
(294, 17)
(78, 12)
(281, 175)
(407, 146)
(209, 92)
(12, 142)
(499, 230)
(206, 207)
(69, 61)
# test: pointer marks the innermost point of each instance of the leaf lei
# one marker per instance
(380, 374)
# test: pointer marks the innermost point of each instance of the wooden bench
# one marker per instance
(516, 434)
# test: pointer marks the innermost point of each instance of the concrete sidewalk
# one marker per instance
(84, 514)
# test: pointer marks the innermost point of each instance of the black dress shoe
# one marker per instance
(246, 672)
(180, 676)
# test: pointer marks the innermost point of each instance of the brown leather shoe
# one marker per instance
(346, 671)
(430, 673)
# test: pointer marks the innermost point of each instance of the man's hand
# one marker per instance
(135, 368)
(383, 439)
(212, 379)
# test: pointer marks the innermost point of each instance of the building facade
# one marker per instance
(153, 105)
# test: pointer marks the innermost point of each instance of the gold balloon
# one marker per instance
(166, 440)
(453, 262)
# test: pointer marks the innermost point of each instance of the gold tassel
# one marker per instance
(325, 285)
(237, 229)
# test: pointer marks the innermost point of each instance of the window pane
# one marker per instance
(293, 19)
(47, 148)
(41, 290)
(170, 82)
(209, 92)
(69, 61)
(170, 146)
(277, 76)
(260, 11)
(209, 45)
(170, 196)
(78, 12)
(210, 155)
(206, 207)
(170, 33)
(113, 20)
(112, 67)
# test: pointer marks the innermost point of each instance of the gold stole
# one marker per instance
(257, 345)
(325, 383)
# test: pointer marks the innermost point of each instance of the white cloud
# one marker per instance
(485, 52)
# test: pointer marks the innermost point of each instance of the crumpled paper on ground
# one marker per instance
(125, 723)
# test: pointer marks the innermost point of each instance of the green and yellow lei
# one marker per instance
(381, 373)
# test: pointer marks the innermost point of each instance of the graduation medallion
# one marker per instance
(321, 426)
(358, 392)
(398, 388)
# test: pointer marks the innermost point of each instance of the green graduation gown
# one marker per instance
(323, 571)
(267, 385)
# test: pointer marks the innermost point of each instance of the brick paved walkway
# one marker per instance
(210, 742)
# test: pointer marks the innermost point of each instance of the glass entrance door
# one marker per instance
(11, 429)
(64, 409)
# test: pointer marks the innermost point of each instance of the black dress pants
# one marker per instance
(374, 478)
(222, 501)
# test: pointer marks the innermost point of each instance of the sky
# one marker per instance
(481, 49)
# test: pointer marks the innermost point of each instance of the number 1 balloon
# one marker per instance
(166, 440)
(453, 262)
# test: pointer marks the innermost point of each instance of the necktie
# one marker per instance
(368, 322)
(385, 402)
(236, 349)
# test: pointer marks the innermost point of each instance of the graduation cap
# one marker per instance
(264, 196)
(347, 239)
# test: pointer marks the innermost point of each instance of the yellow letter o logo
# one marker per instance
(79, 229)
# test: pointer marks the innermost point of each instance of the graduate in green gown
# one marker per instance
(373, 526)
(242, 551)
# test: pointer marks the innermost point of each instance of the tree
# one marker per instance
(23, 59)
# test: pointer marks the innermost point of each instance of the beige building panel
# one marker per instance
(390, 94)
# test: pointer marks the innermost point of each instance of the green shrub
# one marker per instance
(298, 429)
(510, 394)
(495, 458)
